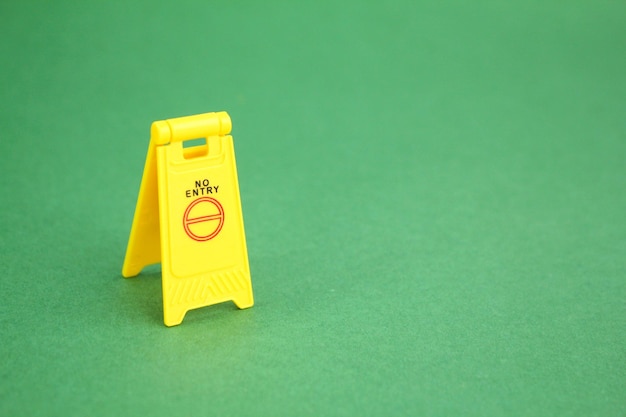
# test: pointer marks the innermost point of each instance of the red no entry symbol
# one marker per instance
(206, 221)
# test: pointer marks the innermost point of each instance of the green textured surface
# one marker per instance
(434, 196)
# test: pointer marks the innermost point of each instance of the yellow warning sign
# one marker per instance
(189, 218)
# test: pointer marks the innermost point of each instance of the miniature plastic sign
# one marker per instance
(189, 218)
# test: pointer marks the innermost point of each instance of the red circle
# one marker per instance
(219, 216)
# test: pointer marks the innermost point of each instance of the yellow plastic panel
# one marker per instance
(144, 243)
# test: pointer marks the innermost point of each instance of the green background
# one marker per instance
(434, 196)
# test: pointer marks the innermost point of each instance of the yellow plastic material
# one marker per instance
(189, 218)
